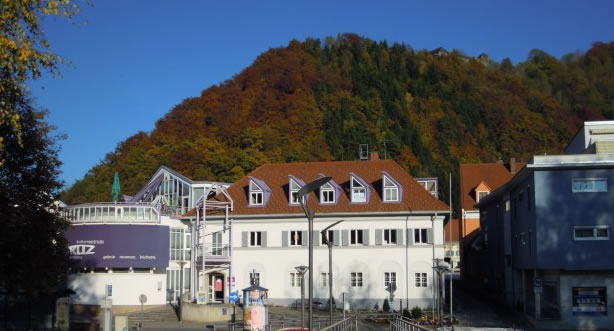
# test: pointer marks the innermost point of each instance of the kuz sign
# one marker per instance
(119, 245)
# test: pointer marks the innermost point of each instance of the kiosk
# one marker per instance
(255, 311)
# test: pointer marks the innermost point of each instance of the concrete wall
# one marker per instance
(275, 262)
(559, 210)
(207, 313)
(127, 287)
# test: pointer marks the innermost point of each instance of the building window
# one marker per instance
(589, 301)
(391, 190)
(294, 188)
(390, 237)
(327, 193)
(295, 279)
(356, 279)
(598, 232)
(359, 191)
(255, 238)
(255, 194)
(356, 237)
(580, 185)
(324, 279)
(420, 236)
(329, 236)
(421, 279)
(296, 238)
(481, 194)
(390, 278)
(180, 244)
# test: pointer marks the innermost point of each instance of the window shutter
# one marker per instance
(304, 238)
(365, 237)
(316, 238)
(244, 235)
(345, 238)
(429, 235)
(399, 236)
(410, 236)
(284, 239)
(378, 236)
(336, 238)
(263, 239)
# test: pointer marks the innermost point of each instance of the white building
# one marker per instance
(137, 246)
(392, 230)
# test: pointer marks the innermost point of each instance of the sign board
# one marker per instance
(589, 301)
(142, 299)
(538, 282)
(109, 291)
(118, 245)
(234, 297)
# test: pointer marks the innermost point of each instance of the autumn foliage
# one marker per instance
(318, 100)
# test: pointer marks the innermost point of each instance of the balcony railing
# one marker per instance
(214, 253)
(112, 213)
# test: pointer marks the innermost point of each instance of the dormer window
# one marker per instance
(256, 195)
(391, 190)
(481, 191)
(294, 188)
(327, 193)
(359, 191)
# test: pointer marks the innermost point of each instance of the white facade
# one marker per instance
(376, 261)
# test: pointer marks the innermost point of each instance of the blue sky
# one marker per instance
(132, 61)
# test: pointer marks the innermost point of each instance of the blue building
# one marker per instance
(546, 236)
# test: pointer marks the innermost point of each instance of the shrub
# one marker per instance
(386, 306)
(416, 312)
(376, 307)
(406, 313)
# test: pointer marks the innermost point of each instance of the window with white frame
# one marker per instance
(324, 279)
(294, 188)
(481, 194)
(296, 238)
(581, 185)
(597, 232)
(421, 279)
(390, 236)
(295, 279)
(391, 190)
(327, 193)
(255, 238)
(390, 278)
(359, 191)
(356, 279)
(256, 195)
(356, 237)
(330, 236)
(180, 244)
(420, 236)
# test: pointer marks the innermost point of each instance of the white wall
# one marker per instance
(275, 263)
(127, 287)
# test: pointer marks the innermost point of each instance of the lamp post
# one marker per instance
(302, 270)
(330, 243)
(181, 263)
(302, 196)
(440, 268)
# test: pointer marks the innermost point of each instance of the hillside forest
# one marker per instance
(320, 99)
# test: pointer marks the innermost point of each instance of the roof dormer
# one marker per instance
(481, 191)
(392, 191)
(329, 192)
(359, 189)
(294, 185)
(259, 192)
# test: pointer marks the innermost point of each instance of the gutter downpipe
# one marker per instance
(433, 261)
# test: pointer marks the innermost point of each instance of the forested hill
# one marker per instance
(318, 100)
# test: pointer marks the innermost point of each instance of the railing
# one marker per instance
(112, 213)
(214, 253)
(350, 323)
(400, 323)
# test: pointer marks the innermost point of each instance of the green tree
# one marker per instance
(34, 253)
(24, 53)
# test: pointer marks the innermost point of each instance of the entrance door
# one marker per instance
(216, 288)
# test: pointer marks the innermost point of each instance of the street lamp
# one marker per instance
(329, 243)
(440, 267)
(302, 193)
(302, 270)
(181, 263)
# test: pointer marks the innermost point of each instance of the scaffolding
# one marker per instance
(216, 202)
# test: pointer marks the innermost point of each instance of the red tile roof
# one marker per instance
(414, 196)
(493, 175)
(455, 230)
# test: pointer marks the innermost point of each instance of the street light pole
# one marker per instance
(302, 196)
(330, 243)
(181, 263)
(302, 269)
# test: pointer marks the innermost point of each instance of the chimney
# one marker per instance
(374, 156)
(512, 165)
(499, 160)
